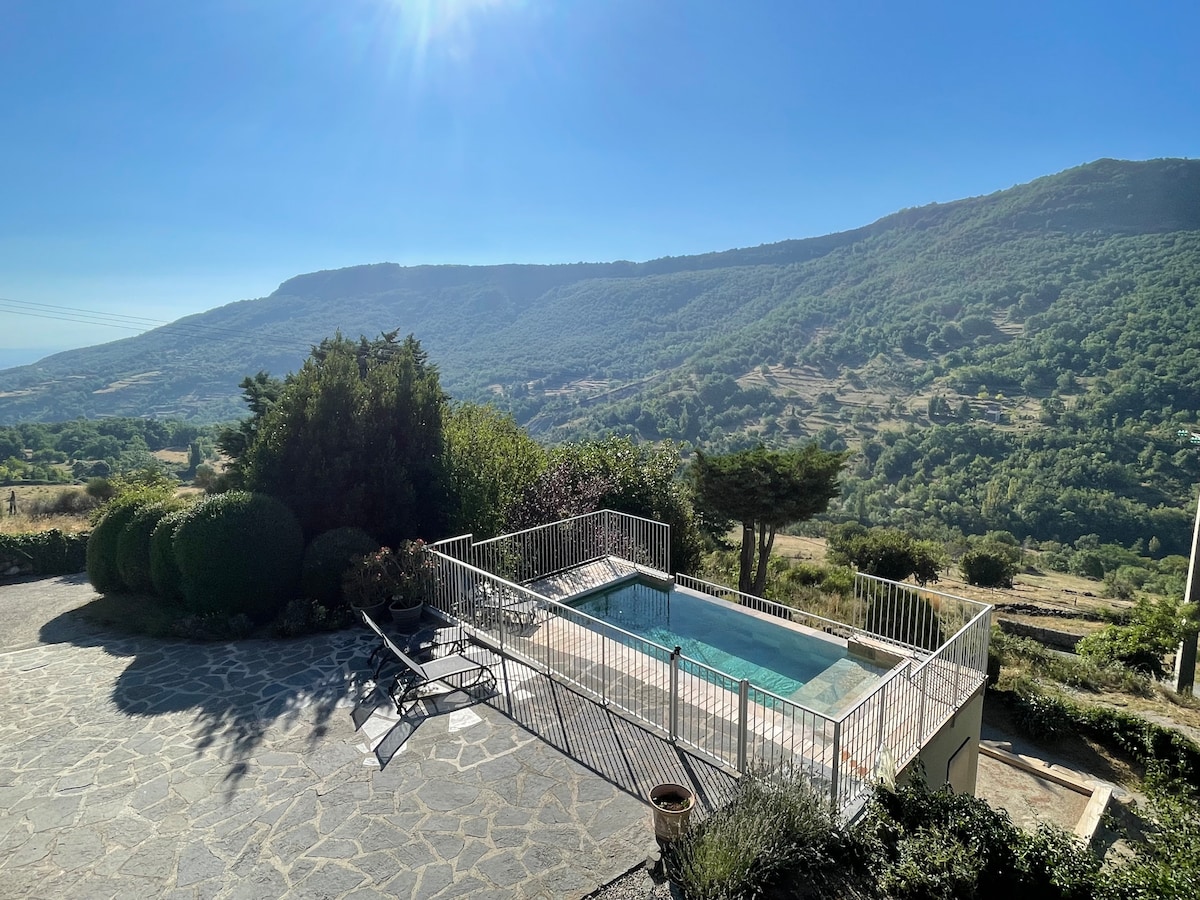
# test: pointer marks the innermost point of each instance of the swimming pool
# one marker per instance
(771, 656)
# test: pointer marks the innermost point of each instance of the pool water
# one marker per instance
(774, 657)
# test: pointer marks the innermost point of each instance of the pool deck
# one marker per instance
(134, 767)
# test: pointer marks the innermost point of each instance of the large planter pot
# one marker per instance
(671, 806)
(378, 611)
(405, 616)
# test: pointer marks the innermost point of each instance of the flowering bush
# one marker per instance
(403, 575)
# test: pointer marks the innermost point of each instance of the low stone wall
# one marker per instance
(1059, 640)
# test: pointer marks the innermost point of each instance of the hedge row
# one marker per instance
(1161, 750)
(50, 552)
(235, 554)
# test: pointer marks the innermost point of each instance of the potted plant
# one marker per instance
(671, 807)
(368, 583)
(411, 575)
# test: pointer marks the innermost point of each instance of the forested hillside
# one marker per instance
(1022, 361)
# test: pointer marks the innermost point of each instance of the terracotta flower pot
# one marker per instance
(671, 806)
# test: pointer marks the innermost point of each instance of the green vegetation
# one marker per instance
(102, 549)
(763, 491)
(133, 544)
(50, 552)
(490, 461)
(619, 474)
(60, 452)
(777, 838)
(239, 553)
(991, 566)
(355, 438)
(1154, 630)
(164, 570)
(886, 553)
(326, 560)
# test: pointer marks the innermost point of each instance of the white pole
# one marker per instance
(1185, 655)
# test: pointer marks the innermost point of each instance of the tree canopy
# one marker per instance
(354, 438)
(764, 490)
(886, 553)
(619, 474)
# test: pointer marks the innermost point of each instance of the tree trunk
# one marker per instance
(746, 562)
(766, 540)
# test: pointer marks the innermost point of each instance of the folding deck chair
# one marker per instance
(406, 686)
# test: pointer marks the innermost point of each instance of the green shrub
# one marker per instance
(1165, 752)
(133, 544)
(777, 830)
(989, 567)
(946, 845)
(932, 863)
(51, 552)
(326, 560)
(1166, 865)
(239, 553)
(100, 489)
(102, 544)
(164, 571)
(902, 614)
(304, 616)
(1153, 631)
(71, 502)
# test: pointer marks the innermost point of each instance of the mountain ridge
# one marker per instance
(507, 331)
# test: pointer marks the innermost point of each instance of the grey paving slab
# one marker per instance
(138, 767)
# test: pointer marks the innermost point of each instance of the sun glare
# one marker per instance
(446, 26)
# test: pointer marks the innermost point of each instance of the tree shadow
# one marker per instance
(240, 691)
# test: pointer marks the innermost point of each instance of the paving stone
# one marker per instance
(160, 768)
(331, 879)
(503, 870)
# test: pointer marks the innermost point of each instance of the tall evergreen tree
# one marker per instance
(355, 438)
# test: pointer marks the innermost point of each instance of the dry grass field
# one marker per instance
(31, 501)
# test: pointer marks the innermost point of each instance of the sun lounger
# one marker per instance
(455, 670)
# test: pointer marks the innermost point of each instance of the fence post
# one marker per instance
(673, 716)
(743, 723)
(881, 707)
(500, 614)
(924, 697)
(837, 764)
(604, 668)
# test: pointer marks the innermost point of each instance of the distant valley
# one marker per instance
(993, 354)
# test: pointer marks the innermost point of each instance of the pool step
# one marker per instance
(839, 686)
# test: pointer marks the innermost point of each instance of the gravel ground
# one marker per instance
(635, 885)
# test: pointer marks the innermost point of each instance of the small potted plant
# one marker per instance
(412, 579)
(671, 807)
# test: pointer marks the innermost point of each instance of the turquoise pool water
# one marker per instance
(778, 659)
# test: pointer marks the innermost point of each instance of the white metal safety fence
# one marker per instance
(535, 553)
(729, 720)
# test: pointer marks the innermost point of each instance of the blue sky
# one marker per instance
(161, 158)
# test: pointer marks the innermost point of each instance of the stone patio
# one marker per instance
(137, 767)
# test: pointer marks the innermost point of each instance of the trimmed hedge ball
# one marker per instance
(326, 560)
(239, 553)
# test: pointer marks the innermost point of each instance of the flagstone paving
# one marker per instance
(133, 767)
